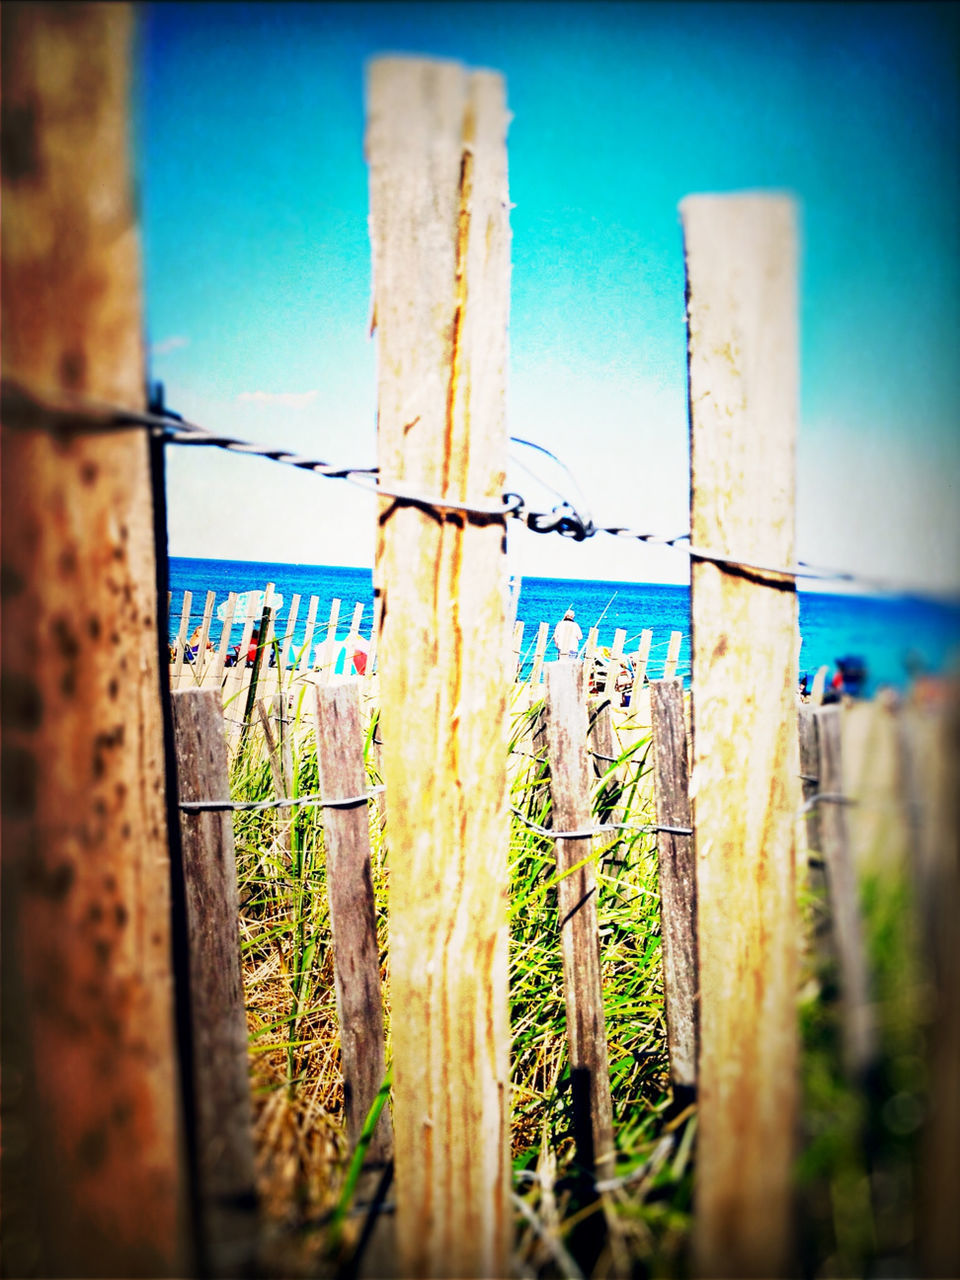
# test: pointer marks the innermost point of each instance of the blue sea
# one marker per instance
(884, 631)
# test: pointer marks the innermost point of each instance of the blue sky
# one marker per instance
(253, 194)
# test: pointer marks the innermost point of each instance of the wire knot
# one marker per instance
(563, 519)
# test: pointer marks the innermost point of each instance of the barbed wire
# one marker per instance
(314, 800)
(581, 833)
(71, 413)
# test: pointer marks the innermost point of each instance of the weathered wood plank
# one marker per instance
(858, 1029)
(286, 655)
(673, 655)
(91, 1108)
(810, 863)
(223, 648)
(678, 888)
(353, 914)
(543, 635)
(742, 331)
(221, 1088)
(439, 225)
(183, 631)
(307, 653)
(566, 734)
(640, 669)
(615, 665)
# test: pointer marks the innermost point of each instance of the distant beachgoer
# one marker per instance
(359, 650)
(193, 645)
(253, 647)
(850, 677)
(567, 636)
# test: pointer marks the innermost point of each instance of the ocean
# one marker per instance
(886, 632)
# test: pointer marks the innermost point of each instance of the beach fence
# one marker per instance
(123, 1030)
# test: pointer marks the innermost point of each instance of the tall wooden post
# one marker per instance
(570, 782)
(678, 889)
(741, 285)
(439, 224)
(223, 1116)
(93, 1176)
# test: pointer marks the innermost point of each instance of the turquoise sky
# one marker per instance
(253, 193)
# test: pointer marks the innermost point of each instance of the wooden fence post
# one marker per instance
(566, 732)
(810, 863)
(328, 646)
(225, 633)
(93, 1178)
(439, 224)
(939, 1173)
(615, 666)
(741, 285)
(516, 651)
(858, 1032)
(307, 652)
(183, 633)
(543, 633)
(643, 657)
(353, 915)
(678, 888)
(224, 1134)
(289, 629)
(673, 655)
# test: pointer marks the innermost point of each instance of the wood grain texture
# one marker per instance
(439, 225)
(678, 887)
(221, 1086)
(858, 1030)
(742, 334)
(91, 1113)
(353, 917)
(570, 783)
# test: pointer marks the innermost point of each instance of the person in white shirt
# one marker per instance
(567, 636)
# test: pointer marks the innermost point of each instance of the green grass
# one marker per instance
(855, 1167)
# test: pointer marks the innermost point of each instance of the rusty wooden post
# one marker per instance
(224, 1133)
(566, 733)
(353, 916)
(439, 224)
(678, 888)
(93, 1172)
(742, 327)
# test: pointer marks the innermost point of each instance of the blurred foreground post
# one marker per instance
(93, 1174)
(742, 327)
(438, 193)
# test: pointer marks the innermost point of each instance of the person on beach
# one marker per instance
(254, 646)
(567, 636)
(193, 645)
